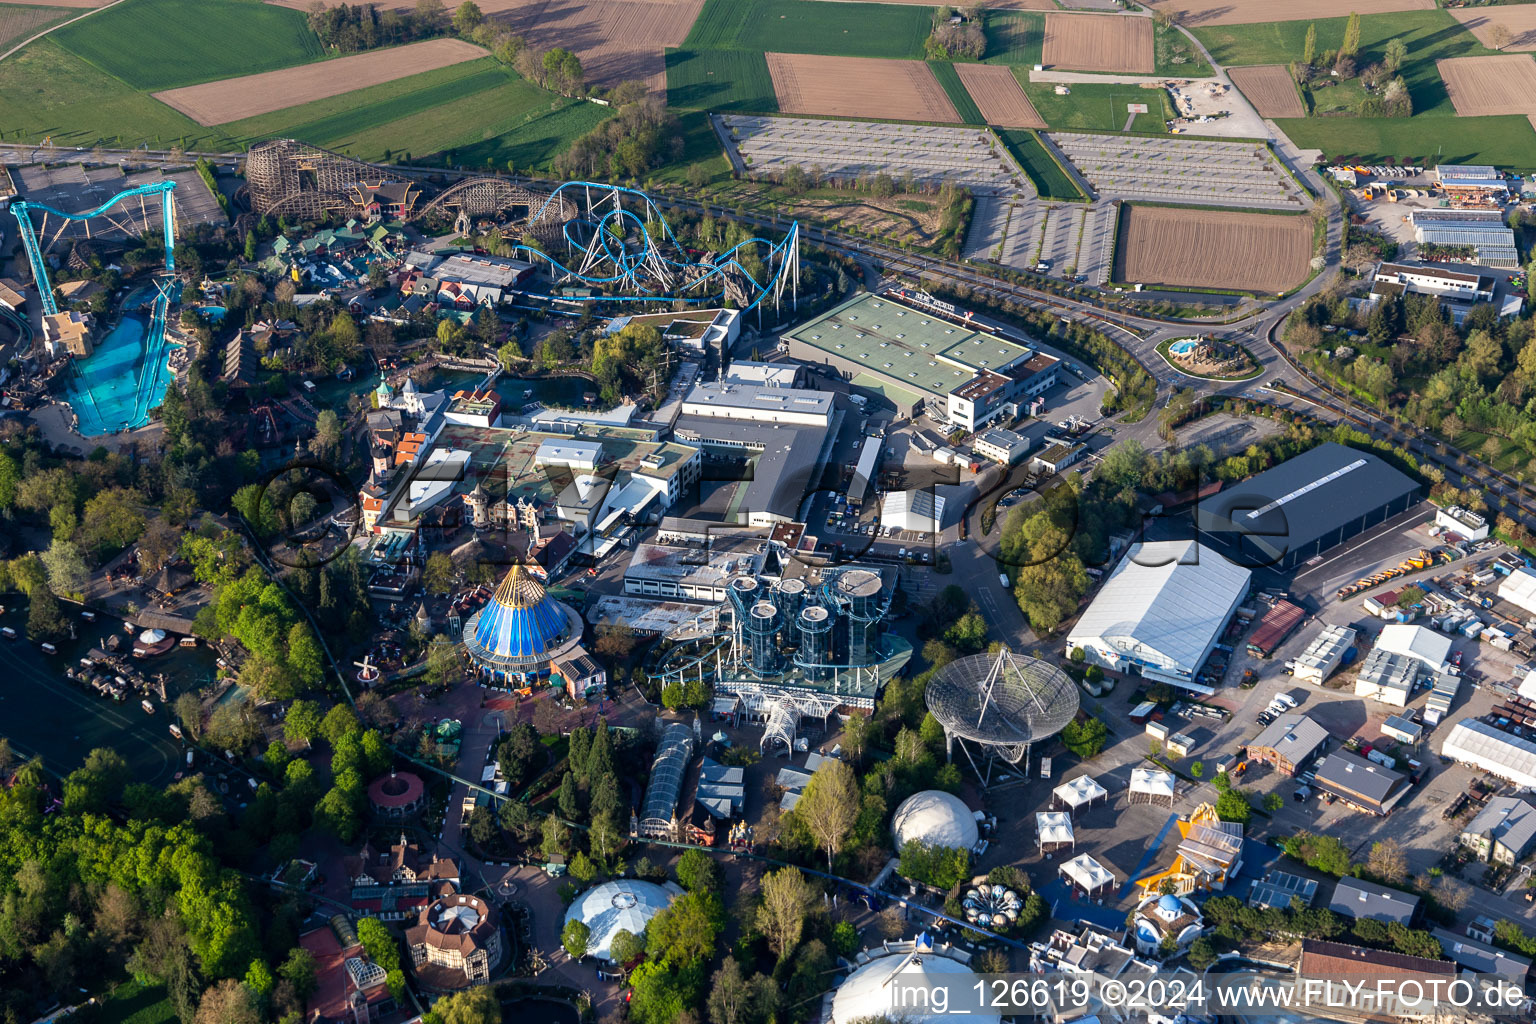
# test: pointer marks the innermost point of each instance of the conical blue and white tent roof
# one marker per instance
(520, 625)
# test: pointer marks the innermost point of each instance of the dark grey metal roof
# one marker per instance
(1360, 899)
(1303, 499)
(1344, 774)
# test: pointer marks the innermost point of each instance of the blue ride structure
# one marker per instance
(22, 209)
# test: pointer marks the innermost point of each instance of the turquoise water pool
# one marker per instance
(1184, 346)
(115, 387)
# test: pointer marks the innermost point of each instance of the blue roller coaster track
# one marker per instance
(649, 267)
(23, 209)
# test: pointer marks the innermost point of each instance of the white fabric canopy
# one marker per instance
(1086, 873)
(1079, 792)
(1152, 783)
(1054, 827)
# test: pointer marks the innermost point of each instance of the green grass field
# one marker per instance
(1049, 179)
(1429, 35)
(949, 78)
(1095, 106)
(720, 80)
(1176, 55)
(1014, 37)
(132, 1003)
(162, 44)
(1505, 141)
(811, 26)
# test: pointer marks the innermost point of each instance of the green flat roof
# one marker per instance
(900, 397)
(907, 346)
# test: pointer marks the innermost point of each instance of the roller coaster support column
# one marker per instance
(23, 212)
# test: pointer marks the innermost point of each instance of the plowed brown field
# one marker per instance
(1519, 19)
(903, 90)
(1212, 249)
(1270, 89)
(999, 96)
(249, 95)
(1099, 42)
(17, 23)
(1490, 85)
(617, 40)
(1193, 13)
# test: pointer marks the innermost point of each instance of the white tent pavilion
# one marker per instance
(1087, 877)
(1077, 793)
(1054, 829)
(1151, 787)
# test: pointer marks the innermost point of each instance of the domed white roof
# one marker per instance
(866, 994)
(623, 905)
(934, 818)
(151, 636)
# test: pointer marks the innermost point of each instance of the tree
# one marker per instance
(477, 1005)
(430, 12)
(683, 933)
(44, 619)
(698, 872)
(327, 440)
(567, 799)
(482, 825)
(787, 899)
(1351, 45)
(1086, 738)
(189, 713)
(437, 574)
(339, 722)
(625, 947)
(735, 998)
(1233, 805)
(1197, 769)
(302, 723)
(557, 837)
(67, 572)
(444, 666)
(228, 1002)
(1499, 35)
(467, 17)
(1388, 862)
(1201, 953)
(1309, 47)
(574, 937)
(1395, 53)
(829, 806)
(1273, 802)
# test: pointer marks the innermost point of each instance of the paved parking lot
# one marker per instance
(1176, 170)
(931, 154)
(1021, 232)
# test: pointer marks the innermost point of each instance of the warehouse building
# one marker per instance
(1003, 447)
(1324, 654)
(1289, 743)
(1519, 589)
(918, 360)
(1161, 612)
(916, 511)
(784, 461)
(1305, 506)
(1503, 832)
(1364, 785)
(1482, 230)
(760, 404)
(1367, 901)
(1496, 752)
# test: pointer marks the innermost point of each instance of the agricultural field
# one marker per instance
(1505, 141)
(948, 76)
(999, 96)
(17, 22)
(1194, 13)
(719, 80)
(859, 87)
(163, 44)
(76, 5)
(617, 40)
(1095, 42)
(250, 95)
(1188, 248)
(1014, 37)
(1519, 20)
(1490, 85)
(811, 26)
(1271, 90)
(1430, 36)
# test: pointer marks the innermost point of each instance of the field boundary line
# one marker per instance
(54, 28)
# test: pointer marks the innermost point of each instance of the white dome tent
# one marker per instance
(622, 905)
(937, 819)
(867, 991)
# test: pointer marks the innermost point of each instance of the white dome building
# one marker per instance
(866, 993)
(1165, 916)
(623, 905)
(935, 818)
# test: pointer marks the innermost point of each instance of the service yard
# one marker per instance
(1271, 90)
(249, 95)
(931, 154)
(1490, 85)
(1519, 20)
(859, 87)
(1099, 42)
(1257, 252)
(1192, 13)
(1182, 170)
(999, 96)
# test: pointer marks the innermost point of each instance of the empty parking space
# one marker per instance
(1199, 171)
